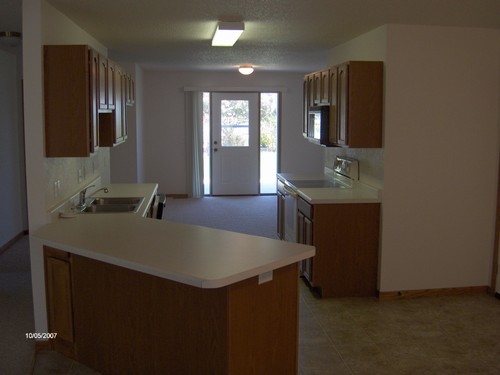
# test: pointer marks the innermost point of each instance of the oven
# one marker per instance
(287, 212)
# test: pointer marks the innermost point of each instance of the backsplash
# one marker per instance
(371, 163)
(73, 175)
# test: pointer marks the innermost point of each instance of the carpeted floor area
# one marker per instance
(17, 354)
(255, 215)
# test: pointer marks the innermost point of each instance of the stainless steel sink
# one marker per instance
(114, 205)
(118, 201)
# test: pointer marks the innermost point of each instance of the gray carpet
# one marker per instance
(16, 310)
(255, 215)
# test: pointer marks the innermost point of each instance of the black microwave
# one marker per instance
(318, 125)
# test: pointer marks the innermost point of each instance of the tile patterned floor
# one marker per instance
(358, 336)
(434, 335)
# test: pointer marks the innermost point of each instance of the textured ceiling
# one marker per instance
(291, 35)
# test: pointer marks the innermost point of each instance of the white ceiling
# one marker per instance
(290, 35)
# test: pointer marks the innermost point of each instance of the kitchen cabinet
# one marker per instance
(113, 124)
(354, 93)
(129, 90)
(321, 88)
(124, 321)
(58, 284)
(346, 237)
(71, 100)
(106, 84)
(85, 96)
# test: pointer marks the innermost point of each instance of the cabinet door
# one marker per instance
(69, 120)
(305, 107)
(317, 88)
(310, 86)
(333, 129)
(59, 306)
(130, 90)
(103, 83)
(111, 85)
(343, 104)
(325, 87)
(119, 100)
(94, 100)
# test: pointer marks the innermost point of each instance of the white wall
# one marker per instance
(441, 157)
(164, 130)
(13, 220)
(43, 24)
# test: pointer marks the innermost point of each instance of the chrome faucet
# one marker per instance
(82, 204)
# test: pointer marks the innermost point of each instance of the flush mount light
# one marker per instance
(246, 69)
(227, 33)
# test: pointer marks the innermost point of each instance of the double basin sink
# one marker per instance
(113, 205)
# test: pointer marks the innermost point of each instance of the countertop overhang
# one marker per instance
(194, 255)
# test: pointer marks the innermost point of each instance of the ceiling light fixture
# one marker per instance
(227, 33)
(245, 69)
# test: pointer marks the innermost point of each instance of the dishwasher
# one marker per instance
(287, 212)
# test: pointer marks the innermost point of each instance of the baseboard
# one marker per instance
(432, 292)
(177, 196)
(13, 240)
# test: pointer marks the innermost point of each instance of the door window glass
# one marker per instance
(234, 123)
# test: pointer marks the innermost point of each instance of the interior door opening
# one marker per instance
(235, 131)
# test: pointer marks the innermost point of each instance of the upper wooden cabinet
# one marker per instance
(113, 124)
(71, 97)
(85, 101)
(354, 92)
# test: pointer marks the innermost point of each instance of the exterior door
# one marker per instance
(235, 143)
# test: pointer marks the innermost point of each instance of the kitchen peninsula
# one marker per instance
(148, 296)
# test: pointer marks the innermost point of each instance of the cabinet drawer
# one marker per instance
(305, 208)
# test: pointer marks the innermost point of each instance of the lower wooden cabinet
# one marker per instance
(120, 321)
(58, 283)
(346, 237)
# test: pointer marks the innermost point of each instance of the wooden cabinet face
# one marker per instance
(69, 89)
(59, 296)
(112, 124)
(94, 100)
(342, 104)
(103, 83)
(354, 91)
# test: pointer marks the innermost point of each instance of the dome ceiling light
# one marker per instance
(245, 69)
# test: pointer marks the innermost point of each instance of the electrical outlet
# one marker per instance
(80, 175)
(57, 188)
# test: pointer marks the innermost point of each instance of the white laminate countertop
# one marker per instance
(357, 193)
(193, 255)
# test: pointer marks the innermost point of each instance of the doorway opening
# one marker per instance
(267, 153)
